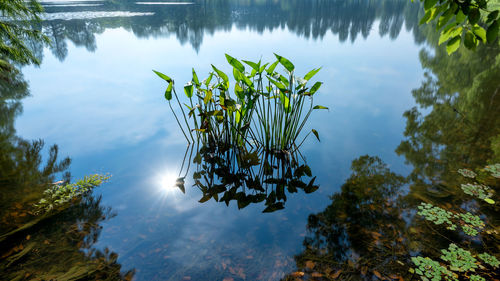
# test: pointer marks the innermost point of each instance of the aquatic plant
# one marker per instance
(494, 170)
(467, 173)
(458, 258)
(264, 108)
(455, 258)
(60, 193)
(489, 259)
(474, 277)
(429, 269)
(478, 190)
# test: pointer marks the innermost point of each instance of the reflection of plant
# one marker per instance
(268, 108)
(61, 194)
(224, 174)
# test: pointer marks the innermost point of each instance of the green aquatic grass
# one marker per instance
(264, 108)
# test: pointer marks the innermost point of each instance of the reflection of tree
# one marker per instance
(49, 246)
(362, 231)
(461, 95)
(190, 23)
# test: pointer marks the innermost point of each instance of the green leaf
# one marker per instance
(474, 15)
(163, 76)
(460, 17)
(285, 102)
(492, 16)
(426, 16)
(247, 81)
(239, 91)
(235, 63)
(188, 90)
(492, 32)
(271, 68)
(429, 4)
(195, 78)
(316, 134)
(449, 34)
(208, 96)
(168, 92)
(221, 74)
(207, 82)
(470, 40)
(286, 63)
(489, 201)
(262, 68)
(479, 32)
(444, 19)
(253, 65)
(315, 88)
(320, 107)
(311, 73)
(236, 74)
(453, 44)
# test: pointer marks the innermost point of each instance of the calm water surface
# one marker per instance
(96, 97)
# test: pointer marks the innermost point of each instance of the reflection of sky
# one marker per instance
(106, 110)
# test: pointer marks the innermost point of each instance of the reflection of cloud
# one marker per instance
(91, 15)
(164, 3)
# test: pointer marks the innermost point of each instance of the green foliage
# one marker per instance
(471, 22)
(467, 173)
(265, 107)
(429, 269)
(62, 194)
(18, 23)
(480, 191)
(459, 259)
(494, 170)
(489, 259)
(437, 215)
(474, 277)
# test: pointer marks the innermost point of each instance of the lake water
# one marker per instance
(96, 97)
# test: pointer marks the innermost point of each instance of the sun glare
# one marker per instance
(166, 183)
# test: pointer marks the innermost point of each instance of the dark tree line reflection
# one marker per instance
(370, 230)
(349, 20)
(55, 246)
